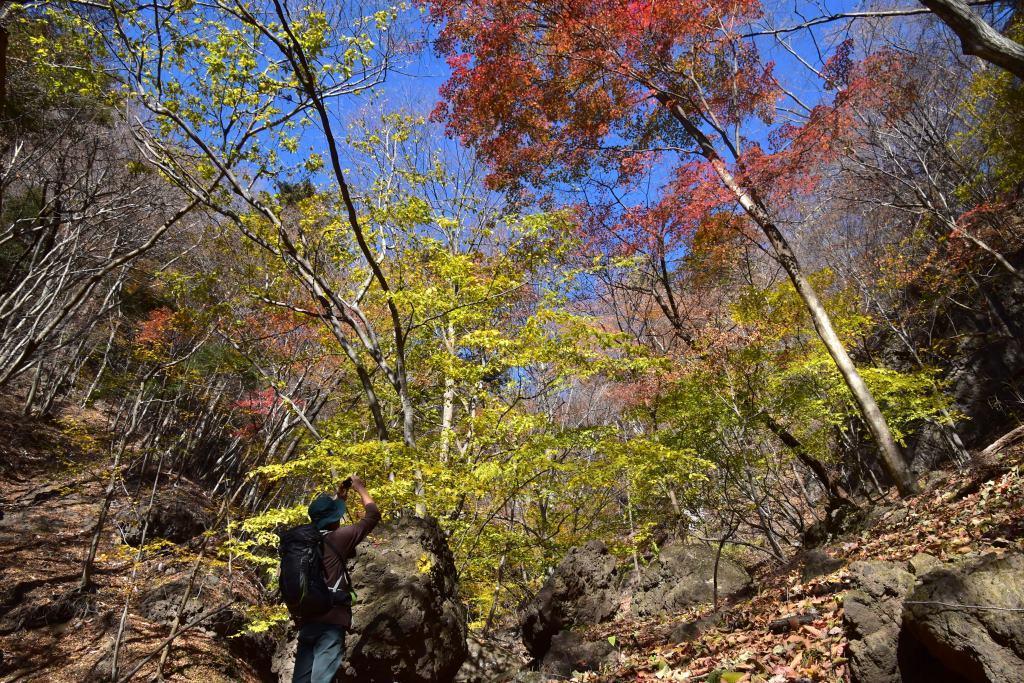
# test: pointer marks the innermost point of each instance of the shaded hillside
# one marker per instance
(793, 629)
(52, 488)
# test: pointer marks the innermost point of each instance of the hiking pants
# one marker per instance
(318, 657)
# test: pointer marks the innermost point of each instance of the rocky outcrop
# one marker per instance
(160, 603)
(408, 625)
(873, 611)
(959, 623)
(588, 587)
(178, 514)
(983, 364)
(931, 621)
(683, 575)
(582, 589)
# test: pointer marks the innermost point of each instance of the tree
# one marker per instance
(78, 207)
(978, 37)
(551, 91)
(230, 89)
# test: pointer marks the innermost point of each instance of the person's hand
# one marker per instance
(358, 484)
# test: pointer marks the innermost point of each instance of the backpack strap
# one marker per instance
(344, 565)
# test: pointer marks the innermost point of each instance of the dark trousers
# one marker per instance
(318, 657)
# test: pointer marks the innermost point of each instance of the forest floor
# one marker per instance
(792, 629)
(53, 475)
(52, 478)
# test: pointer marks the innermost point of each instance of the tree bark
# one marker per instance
(891, 457)
(977, 37)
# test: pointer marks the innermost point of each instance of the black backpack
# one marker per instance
(302, 583)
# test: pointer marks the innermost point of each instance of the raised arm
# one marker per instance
(372, 515)
(359, 487)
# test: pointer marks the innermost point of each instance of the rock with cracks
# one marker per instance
(683, 575)
(872, 611)
(928, 621)
(408, 625)
(965, 622)
(583, 589)
(178, 514)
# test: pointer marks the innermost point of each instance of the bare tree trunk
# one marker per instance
(103, 363)
(448, 400)
(3, 69)
(769, 532)
(26, 410)
(891, 457)
(108, 494)
(101, 520)
(632, 529)
(718, 556)
(115, 651)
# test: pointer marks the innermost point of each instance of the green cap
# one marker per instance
(325, 510)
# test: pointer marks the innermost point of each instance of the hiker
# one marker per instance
(322, 639)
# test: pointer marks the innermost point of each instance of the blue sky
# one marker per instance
(413, 84)
(416, 79)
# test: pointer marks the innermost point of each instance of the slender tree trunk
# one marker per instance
(769, 532)
(101, 520)
(3, 69)
(632, 529)
(497, 589)
(718, 557)
(379, 423)
(448, 400)
(891, 457)
(103, 363)
(108, 494)
(26, 410)
(810, 462)
(123, 623)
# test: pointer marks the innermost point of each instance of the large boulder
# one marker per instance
(177, 514)
(872, 611)
(965, 622)
(958, 622)
(683, 575)
(589, 587)
(583, 589)
(408, 625)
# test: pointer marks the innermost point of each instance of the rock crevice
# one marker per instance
(956, 622)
